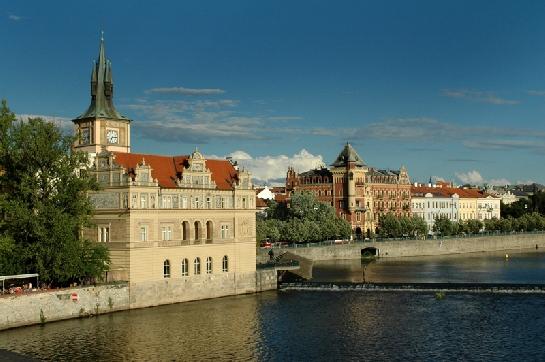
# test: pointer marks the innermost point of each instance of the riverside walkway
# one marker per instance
(417, 287)
(482, 242)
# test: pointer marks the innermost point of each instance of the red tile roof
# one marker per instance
(447, 191)
(167, 169)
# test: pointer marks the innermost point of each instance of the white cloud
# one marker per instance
(477, 96)
(285, 118)
(499, 182)
(272, 168)
(527, 182)
(203, 120)
(65, 124)
(186, 91)
(536, 93)
(470, 177)
(474, 177)
(15, 17)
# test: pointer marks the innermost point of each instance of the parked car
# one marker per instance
(265, 244)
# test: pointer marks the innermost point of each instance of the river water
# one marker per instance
(325, 325)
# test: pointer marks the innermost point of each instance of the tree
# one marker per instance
(474, 226)
(389, 226)
(444, 226)
(419, 226)
(44, 204)
(303, 218)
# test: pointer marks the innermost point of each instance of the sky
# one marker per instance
(453, 90)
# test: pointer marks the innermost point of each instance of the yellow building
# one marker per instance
(177, 227)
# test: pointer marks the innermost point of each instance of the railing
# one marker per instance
(376, 239)
(278, 264)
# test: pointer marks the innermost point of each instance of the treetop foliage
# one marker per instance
(302, 219)
(44, 204)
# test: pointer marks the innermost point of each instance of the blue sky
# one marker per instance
(452, 89)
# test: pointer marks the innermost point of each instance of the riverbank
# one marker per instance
(411, 248)
(80, 302)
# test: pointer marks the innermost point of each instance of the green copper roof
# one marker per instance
(102, 89)
(348, 154)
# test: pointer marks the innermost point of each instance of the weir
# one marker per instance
(416, 287)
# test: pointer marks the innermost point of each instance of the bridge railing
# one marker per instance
(408, 238)
(277, 264)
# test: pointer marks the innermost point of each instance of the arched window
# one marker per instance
(197, 266)
(209, 265)
(166, 269)
(185, 230)
(197, 230)
(185, 267)
(225, 264)
(209, 230)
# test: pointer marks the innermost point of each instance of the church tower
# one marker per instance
(101, 127)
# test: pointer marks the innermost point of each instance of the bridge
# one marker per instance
(504, 288)
(331, 250)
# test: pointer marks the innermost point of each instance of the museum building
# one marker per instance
(184, 222)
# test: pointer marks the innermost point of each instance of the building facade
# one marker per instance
(430, 203)
(360, 194)
(458, 204)
(180, 220)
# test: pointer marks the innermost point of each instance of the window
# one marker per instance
(197, 231)
(208, 203)
(244, 205)
(184, 202)
(185, 267)
(196, 202)
(143, 233)
(167, 202)
(223, 203)
(224, 231)
(209, 265)
(166, 232)
(143, 201)
(225, 264)
(185, 230)
(166, 269)
(104, 234)
(197, 266)
(209, 230)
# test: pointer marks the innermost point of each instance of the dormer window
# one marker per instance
(85, 136)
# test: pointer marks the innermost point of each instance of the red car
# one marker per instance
(266, 244)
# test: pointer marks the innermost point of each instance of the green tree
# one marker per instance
(474, 226)
(444, 226)
(44, 204)
(389, 226)
(303, 218)
(419, 226)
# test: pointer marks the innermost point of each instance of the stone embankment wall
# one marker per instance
(42, 307)
(206, 286)
(407, 248)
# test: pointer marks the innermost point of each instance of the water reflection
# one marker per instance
(176, 332)
(520, 267)
(301, 326)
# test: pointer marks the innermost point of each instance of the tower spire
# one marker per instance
(102, 91)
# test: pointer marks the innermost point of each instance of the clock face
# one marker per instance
(112, 136)
(85, 136)
(197, 167)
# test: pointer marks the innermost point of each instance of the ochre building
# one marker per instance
(177, 227)
(359, 193)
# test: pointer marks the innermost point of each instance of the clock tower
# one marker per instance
(101, 127)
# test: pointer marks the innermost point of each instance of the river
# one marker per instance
(325, 325)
